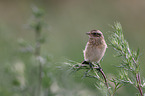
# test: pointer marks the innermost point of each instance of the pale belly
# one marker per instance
(94, 53)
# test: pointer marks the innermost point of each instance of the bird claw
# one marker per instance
(97, 66)
(86, 62)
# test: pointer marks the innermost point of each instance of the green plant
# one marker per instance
(39, 67)
(130, 66)
(37, 26)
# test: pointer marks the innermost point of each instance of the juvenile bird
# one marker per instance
(95, 48)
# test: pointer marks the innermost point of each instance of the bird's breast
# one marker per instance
(94, 53)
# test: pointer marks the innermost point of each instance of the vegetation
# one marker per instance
(129, 67)
(34, 51)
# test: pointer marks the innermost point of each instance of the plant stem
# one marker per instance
(37, 54)
(138, 80)
(104, 76)
(105, 79)
(84, 66)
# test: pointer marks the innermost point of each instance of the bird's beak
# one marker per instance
(88, 33)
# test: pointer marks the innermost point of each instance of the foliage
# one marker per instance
(130, 66)
(30, 72)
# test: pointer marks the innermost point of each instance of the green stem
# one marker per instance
(37, 54)
(138, 80)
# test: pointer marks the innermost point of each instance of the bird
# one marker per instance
(95, 47)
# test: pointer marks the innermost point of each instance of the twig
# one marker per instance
(99, 69)
(104, 76)
(138, 79)
(105, 79)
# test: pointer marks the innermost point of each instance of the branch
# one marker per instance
(77, 67)
(104, 76)
(129, 57)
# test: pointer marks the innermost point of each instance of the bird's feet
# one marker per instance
(86, 62)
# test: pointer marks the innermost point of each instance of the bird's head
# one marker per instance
(95, 34)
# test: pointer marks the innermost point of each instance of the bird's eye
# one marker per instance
(94, 33)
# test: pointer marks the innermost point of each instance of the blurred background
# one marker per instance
(66, 22)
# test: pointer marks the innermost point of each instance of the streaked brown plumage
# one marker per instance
(96, 47)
